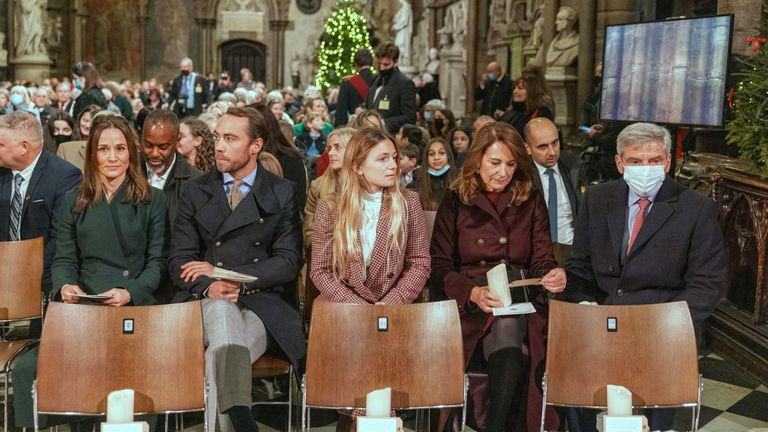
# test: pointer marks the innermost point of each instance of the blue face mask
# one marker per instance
(441, 171)
(17, 99)
(428, 116)
(491, 77)
(78, 85)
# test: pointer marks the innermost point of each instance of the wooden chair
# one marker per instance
(419, 356)
(20, 299)
(87, 351)
(652, 353)
(268, 366)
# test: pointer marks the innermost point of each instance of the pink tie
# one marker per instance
(639, 219)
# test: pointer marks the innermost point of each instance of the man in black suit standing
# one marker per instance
(239, 217)
(392, 93)
(354, 89)
(189, 93)
(495, 90)
(554, 180)
(33, 183)
(645, 239)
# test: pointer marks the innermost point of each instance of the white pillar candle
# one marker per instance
(378, 403)
(120, 406)
(619, 401)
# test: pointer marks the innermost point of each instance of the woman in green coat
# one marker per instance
(111, 239)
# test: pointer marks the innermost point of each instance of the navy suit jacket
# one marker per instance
(677, 255)
(262, 237)
(51, 179)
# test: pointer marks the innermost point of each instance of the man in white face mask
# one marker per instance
(645, 239)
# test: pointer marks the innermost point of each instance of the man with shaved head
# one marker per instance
(552, 177)
(495, 90)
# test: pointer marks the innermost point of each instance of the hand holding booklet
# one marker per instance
(232, 276)
(94, 297)
(498, 283)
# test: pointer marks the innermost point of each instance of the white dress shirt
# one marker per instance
(564, 213)
(158, 181)
(26, 174)
(371, 209)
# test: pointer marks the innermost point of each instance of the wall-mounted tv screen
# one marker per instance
(670, 72)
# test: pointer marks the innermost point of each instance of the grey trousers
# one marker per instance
(234, 338)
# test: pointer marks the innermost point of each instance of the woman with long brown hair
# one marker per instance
(531, 98)
(114, 223)
(88, 81)
(493, 215)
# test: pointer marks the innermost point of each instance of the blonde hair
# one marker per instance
(349, 202)
(270, 163)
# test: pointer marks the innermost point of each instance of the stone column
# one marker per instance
(143, 19)
(206, 49)
(586, 66)
(279, 27)
(562, 82)
(746, 22)
(550, 14)
(471, 48)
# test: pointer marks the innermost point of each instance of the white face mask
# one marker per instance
(644, 180)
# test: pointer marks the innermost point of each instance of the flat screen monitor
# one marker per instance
(667, 72)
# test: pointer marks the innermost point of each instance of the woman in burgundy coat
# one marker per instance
(494, 215)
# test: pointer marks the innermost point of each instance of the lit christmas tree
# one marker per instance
(749, 101)
(345, 34)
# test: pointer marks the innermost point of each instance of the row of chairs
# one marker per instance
(158, 351)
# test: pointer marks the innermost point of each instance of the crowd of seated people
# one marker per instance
(142, 204)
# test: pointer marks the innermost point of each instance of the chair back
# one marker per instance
(88, 351)
(21, 276)
(419, 355)
(652, 353)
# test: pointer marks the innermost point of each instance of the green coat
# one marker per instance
(112, 245)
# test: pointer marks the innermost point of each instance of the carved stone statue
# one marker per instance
(3, 51)
(498, 26)
(433, 65)
(30, 39)
(455, 24)
(55, 32)
(243, 5)
(402, 25)
(564, 48)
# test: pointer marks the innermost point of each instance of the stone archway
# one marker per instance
(262, 21)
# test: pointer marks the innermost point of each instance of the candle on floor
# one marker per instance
(378, 403)
(619, 401)
(120, 406)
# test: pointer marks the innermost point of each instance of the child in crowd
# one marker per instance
(311, 141)
(409, 161)
(432, 180)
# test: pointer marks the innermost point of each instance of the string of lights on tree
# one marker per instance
(748, 127)
(345, 33)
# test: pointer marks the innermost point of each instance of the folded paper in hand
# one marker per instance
(232, 276)
(93, 296)
(498, 283)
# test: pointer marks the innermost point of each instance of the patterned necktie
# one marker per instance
(639, 219)
(552, 204)
(16, 209)
(235, 194)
